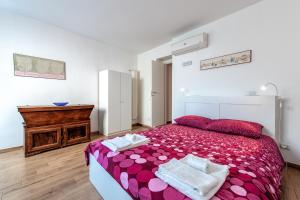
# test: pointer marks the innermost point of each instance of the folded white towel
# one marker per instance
(116, 143)
(125, 142)
(135, 138)
(197, 162)
(120, 142)
(198, 191)
(189, 176)
(140, 143)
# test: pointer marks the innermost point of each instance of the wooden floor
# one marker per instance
(62, 175)
(291, 184)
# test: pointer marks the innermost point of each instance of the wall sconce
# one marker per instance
(265, 87)
(184, 91)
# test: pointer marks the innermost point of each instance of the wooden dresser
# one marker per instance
(52, 127)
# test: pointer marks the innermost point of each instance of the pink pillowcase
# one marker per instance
(193, 121)
(236, 127)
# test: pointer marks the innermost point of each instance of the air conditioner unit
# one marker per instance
(190, 44)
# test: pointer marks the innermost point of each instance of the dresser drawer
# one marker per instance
(41, 139)
(76, 133)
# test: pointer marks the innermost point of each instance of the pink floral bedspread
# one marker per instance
(255, 164)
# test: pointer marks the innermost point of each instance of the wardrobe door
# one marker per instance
(114, 106)
(103, 102)
(126, 103)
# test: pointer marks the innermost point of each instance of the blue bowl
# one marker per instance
(60, 103)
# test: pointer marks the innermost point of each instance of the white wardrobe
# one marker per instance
(115, 101)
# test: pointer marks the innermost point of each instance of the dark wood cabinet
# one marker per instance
(51, 127)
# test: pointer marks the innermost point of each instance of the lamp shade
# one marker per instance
(265, 87)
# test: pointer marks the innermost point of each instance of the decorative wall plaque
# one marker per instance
(30, 66)
(227, 60)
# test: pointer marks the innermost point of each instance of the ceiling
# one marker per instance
(136, 25)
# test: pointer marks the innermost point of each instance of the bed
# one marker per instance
(255, 164)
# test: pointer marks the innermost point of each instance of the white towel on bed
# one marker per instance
(193, 182)
(125, 142)
(135, 138)
(116, 143)
(190, 177)
(196, 162)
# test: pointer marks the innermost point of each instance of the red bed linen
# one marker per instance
(255, 164)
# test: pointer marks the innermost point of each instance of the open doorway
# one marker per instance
(161, 92)
(168, 93)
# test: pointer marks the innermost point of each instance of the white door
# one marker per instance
(158, 93)
(114, 106)
(126, 103)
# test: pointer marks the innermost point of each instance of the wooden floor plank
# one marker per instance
(62, 174)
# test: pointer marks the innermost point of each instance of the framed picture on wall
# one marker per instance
(227, 60)
(30, 66)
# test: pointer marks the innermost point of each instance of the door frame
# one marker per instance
(165, 61)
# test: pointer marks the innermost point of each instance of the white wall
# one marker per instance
(84, 57)
(271, 29)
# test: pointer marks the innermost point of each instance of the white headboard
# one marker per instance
(261, 109)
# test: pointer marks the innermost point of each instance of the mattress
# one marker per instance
(255, 164)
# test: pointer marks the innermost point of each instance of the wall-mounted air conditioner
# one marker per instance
(190, 44)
